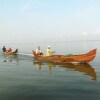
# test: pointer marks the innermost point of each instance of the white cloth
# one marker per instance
(38, 51)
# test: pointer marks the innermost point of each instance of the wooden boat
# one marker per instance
(86, 68)
(78, 58)
(11, 53)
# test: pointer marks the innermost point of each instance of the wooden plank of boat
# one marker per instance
(87, 57)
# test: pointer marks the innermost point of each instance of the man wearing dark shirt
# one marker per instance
(4, 49)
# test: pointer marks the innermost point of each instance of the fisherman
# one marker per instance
(49, 51)
(38, 51)
(9, 50)
(4, 49)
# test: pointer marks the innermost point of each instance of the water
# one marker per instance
(23, 78)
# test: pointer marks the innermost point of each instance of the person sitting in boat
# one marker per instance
(4, 49)
(9, 50)
(49, 51)
(38, 51)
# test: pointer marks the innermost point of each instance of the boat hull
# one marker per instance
(79, 58)
(11, 53)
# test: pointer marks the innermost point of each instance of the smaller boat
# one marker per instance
(11, 53)
(78, 58)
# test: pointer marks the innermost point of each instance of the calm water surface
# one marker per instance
(23, 78)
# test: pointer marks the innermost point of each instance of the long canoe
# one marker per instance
(11, 53)
(77, 58)
(87, 69)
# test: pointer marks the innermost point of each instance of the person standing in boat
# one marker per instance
(38, 51)
(49, 51)
(4, 49)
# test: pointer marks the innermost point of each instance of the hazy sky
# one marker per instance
(49, 20)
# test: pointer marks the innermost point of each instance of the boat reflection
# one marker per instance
(10, 58)
(84, 68)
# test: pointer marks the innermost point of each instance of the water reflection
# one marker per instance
(10, 58)
(83, 68)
